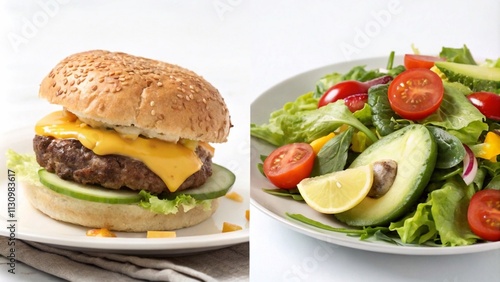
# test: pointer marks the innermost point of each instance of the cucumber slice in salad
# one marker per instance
(477, 78)
(216, 186)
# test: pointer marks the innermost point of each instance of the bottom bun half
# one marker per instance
(115, 217)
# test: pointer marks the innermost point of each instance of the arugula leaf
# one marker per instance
(458, 55)
(333, 155)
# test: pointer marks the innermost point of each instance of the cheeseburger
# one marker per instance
(129, 150)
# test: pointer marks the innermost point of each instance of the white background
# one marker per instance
(244, 47)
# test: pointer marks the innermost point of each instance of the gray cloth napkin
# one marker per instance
(227, 264)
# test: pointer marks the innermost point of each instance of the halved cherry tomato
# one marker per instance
(412, 61)
(483, 214)
(416, 93)
(356, 102)
(487, 103)
(342, 90)
(286, 166)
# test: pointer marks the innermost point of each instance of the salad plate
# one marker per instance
(277, 207)
(32, 225)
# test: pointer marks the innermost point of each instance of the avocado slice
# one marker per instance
(477, 78)
(415, 151)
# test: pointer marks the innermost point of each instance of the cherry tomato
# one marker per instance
(487, 103)
(412, 61)
(342, 90)
(286, 166)
(416, 93)
(483, 214)
(356, 102)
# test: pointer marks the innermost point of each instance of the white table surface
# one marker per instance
(244, 47)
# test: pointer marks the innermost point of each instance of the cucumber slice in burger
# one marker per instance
(87, 192)
(216, 185)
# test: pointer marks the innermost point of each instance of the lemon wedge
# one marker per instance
(337, 191)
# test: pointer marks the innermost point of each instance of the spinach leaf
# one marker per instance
(450, 150)
(457, 55)
(333, 155)
(383, 117)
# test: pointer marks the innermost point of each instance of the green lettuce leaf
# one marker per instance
(492, 63)
(443, 217)
(25, 166)
(272, 131)
(457, 115)
(449, 210)
(307, 125)
(153, 203)
(457, 55)
(417, 228)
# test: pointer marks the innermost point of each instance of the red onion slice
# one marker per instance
(470, 166)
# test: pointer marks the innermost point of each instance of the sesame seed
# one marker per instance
(153, 112)
(152, 103)
(118, 88)
(72, 83)
(159, 84)
(65, 81)
(94, 87)
(73, 89)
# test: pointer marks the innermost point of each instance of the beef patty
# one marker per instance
(70, 160)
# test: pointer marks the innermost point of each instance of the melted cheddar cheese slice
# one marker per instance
(172, 162)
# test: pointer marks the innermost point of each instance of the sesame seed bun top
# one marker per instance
(136, 95)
